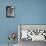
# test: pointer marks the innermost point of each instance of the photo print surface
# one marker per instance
(33, 32)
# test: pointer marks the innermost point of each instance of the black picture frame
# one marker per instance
(10, 11)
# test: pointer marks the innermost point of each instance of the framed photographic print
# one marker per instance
(33, 32)
(10, 11)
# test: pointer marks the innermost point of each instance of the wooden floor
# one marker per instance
(30, 43)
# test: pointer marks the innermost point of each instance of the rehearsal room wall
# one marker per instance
(26, 12)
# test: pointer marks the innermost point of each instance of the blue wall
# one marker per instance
(26, 12)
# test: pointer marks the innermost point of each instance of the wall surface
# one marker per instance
(26, 12)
